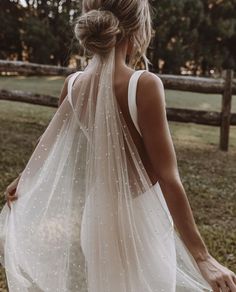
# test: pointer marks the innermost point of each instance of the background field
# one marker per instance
(52, 86)
(208, 175)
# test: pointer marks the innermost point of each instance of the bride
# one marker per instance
(100, 206)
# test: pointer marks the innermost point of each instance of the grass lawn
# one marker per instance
(208, 175)
(52, 85)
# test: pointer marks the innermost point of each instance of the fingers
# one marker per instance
(215, 287)
(224, 283)
(13, 198)
(10, 197)
(8, 204)
(11, 188)
(12, 191)
(231, 282)
(234, 278)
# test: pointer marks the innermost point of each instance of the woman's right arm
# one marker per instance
(62, 96)
(156, 135)
(11, 188)
(63, 93)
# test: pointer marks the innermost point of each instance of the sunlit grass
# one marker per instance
(174, 98)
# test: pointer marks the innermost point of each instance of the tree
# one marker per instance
(197, 35)
(176, 28)
(218, 34)
(11, 15)
(48, 32)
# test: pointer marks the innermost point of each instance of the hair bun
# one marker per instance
(97, 31)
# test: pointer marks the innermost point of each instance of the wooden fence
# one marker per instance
(224, 86)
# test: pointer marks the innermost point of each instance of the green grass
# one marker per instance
(45, 85)
(198, 101)
(208, 174)
(52, 85)
(200, 134)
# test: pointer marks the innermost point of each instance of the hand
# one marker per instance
(219, 277)
(10, 193)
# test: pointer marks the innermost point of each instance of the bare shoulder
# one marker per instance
(66, 81)
(64, 89)
(150, 92)
(67, 78)
(149, 78)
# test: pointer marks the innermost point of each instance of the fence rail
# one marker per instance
(224, 86)
(196, 84)
(25, 68)
(210, 118)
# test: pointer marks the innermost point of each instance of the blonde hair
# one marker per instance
(105, 23)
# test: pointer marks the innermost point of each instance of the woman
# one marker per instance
(101, 194)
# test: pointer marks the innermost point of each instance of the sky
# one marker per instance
(22, 2)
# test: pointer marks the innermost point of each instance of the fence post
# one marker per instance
(226, 110)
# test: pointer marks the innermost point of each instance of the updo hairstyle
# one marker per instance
(105, 23)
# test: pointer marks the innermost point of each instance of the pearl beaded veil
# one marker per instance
(87, 217)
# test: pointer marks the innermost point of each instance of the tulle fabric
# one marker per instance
(87, 217)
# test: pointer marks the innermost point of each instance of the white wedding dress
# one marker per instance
(87, 218)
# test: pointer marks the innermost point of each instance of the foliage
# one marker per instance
(199, 35)
(39, 39)
(195, 35)
(44, 30)
(10, 24)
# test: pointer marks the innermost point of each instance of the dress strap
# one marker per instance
(70, 85)
(132, 97)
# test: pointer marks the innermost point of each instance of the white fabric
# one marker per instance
(87, 217)
(132, 89)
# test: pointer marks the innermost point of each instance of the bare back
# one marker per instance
(121, 85)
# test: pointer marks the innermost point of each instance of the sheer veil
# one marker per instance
(87, 217)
